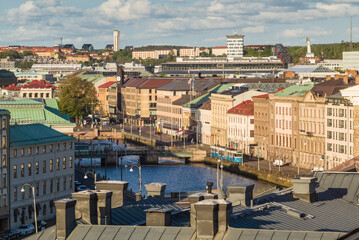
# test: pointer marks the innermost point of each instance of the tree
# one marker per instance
(77, 97)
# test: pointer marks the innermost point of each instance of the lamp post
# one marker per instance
(33, 194)
(218, 163)
(139, 175)
(95, 177)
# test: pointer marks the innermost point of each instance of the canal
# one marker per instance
(178, 176)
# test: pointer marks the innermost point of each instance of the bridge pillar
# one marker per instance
(149, 157)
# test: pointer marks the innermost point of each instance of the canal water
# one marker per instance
(178, 176)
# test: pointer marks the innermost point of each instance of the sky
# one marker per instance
(176, 22)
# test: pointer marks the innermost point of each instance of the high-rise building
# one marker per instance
(116, 40)
(235, 45)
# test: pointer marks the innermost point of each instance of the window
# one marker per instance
(64, 183)
(251, 121)
(329, 123)
(252, 133)
(44, 166)
(29, 150)
(71, 144)
(37, 149)
(29, 169)
(64, 163)
(51, 147)
(341, 148)
(150, 98)
(330, 147)
(71, 182)
(15, 193)
(37, 167)
(4, 180)
(4, 160)
(51, 186)
(64, 146)
(341, 123)
(44, 187)
(70, 161)
(3, 123)
(58, 164)
(329, 134)
(58, 185)
(3, 141)
(341, 112)
(22, 151)
(51, 165)
(22, 170)
(44, 149)
(37, 189)
(15, 152)
(15, 171)
(341, 136)
(58, 147)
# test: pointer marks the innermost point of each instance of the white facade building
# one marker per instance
(235, 44)
(351, 60)
(45, 163)
(205, 123)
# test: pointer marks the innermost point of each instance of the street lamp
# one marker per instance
(139, 176)
(94, 175)
(218, 163)
(33, 194)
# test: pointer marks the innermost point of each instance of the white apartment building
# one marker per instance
(339, 131)
(44, 158)
(204, 127)
(4, 169)
(235, 44)
(219, 51)
(351, 60)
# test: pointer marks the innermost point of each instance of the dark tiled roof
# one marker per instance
(134, 82)
(182, 85)
(107, 85)
(206, 105)
(183, 100)
(155, 83)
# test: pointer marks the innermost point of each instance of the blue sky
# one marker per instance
(175, 22)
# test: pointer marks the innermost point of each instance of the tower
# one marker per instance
(309, 51)
(116, 40)
(235, 45)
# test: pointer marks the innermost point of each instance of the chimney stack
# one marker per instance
(194, 198)
(209, 187)
(156, 189)
(304, 189)
(104, 207)
(207, 219)
(241, 194)
(158, 217)
(118, 189)
(65, 217)
(224, 214)
(86, 207)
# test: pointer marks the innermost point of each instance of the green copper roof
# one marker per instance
(197, 102)
(31, 134)
(297, 90)
(93, 78)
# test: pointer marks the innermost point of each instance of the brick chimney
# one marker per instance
(65, 217)
(104, 207)
(206, 219)
(193, 199)
(158, 217)
(118, 189)
(304, 189)
(156, 189)
(327, 78)
(241, 194)
(86, 206)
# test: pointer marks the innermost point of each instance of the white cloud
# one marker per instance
(258, 29)
(300, 32)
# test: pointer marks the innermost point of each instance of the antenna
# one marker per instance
(60, 41)
(351, 34)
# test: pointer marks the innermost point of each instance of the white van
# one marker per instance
(278, 163)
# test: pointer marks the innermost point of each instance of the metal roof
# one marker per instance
(182, 85)
(309, 69)
(32, 134)
(335, 209)
(298, 90)
(134, 214)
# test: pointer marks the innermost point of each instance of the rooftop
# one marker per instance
(34, 134)
(296, 90)
(244, 108)
(107, 85)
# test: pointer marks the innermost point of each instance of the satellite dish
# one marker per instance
(118, 78)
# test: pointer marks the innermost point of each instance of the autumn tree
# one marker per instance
(77, 97)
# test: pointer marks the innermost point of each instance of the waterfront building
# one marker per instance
(240, 127)
(235, 45)
(4, 170)
(219, 51)
(339, 119)
(204, 121)
(47, 163)
(154, 54)
(43, 111)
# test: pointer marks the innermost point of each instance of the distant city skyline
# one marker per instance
(175, 22)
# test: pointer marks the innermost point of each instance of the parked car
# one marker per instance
(41, 225)
(26, 229)
(278, 163)
(81, 188)
(10, 234)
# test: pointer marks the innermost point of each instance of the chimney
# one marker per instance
(156, 189)
(207, 219)
(194, 198)
(118, 189)
(86, 207)
(241, 194)
(224, 214)
(327, 78)
(210, 196)
(65, 217)
(158, 217)
(209, 187)
(304, 189)
(104, 207)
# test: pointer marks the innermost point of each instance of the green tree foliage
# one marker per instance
(77, 97)
(27, 53)
(122, 56)
(261, 52)
(25, 65)
(10, 53)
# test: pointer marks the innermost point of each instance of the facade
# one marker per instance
(56, 68)
(219, 51)
(204, 121)
(154, 54)
(8, 64)
(4, 171)
(114, 99)
(240, 127)
(116, 40)
(34, 76)
(11, 91)
(189, 52)
(103, 96)
(351, 60)
(37, 89)
(78, 58)
(339, 131)
(7, 78)
(45, 163)
(235, 45)
(261, 123)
